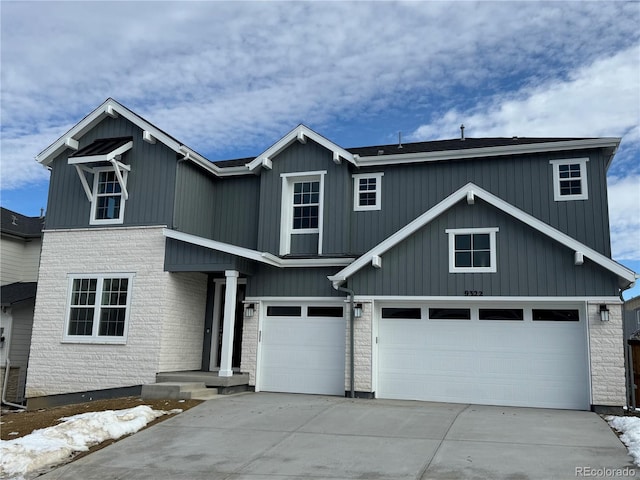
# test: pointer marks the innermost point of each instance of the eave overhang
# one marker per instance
(610, 144)
(255, 255)
(470, 190)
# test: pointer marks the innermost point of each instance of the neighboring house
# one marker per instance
(480, 268)
(20, 244)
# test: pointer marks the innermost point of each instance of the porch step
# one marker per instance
(178, 391)
(238, 382)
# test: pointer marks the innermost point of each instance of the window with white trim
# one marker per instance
(98, 308)
(306, 205)
(367, 188)
(302, 207)
(570, 179)
(472, 250)
(107, 205)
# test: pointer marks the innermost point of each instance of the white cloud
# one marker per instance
(228, 76)
(624, 216)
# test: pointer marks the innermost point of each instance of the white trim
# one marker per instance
(94, 202)
(356, 191)
(452, 232)
(262, 257)
(97, 307)
(294, 135)
(488, 299)
(584, 189)
(375, 160)
(497, 202)
(287, 207)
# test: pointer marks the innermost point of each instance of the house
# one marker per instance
(465, 270)
(20, 243)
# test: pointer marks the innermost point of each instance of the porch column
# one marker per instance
(228, 323)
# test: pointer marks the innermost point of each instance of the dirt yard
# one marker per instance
(15, 424)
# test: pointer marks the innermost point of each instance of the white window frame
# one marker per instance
(95, 337)
(584, 193)
(286, 213)
(94, 198)
(452, 232)
(356, 191)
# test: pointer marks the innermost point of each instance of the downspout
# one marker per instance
(4, 387)
(351, 327)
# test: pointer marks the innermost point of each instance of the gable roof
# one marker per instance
(300, 134)
(151, 134)
(469, 192)
(19, 225)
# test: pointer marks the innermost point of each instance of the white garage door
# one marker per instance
(303, 350)
(519, 356)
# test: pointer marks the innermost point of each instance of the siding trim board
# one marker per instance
(626, 276)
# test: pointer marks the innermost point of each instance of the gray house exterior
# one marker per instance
(478, 267)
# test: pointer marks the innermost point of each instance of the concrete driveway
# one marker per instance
(267, 436)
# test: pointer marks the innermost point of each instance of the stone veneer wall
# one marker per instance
(363, 351)
(608, 385)
(249, 359)
(57, 367)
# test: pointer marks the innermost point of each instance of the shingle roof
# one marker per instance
(20, 225)
(430, 146)
(17, 292)
(451, 144)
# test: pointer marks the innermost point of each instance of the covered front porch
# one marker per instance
(224, 311)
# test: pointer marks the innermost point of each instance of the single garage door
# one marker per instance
(303, 349)
(501, 355)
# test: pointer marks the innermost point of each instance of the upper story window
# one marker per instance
(302, 207)
(306, 205)
(108, 201)
(367, 191)
(472, 250)
(570, 179)
(98, 308)
(103, 160)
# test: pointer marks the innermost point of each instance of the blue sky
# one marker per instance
(230, 78)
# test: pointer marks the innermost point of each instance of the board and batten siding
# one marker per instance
(309, 157)
(528, 262)
(525, 181)
(150, 183)
(292, 282)
(186, 257)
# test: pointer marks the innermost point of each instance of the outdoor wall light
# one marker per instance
(248, 310)
(604, 313)
(357, 310)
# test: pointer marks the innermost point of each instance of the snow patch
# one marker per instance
(47, 447)
(629, 427)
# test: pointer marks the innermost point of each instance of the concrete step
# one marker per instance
(178, 391)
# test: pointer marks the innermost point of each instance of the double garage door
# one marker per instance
(303, 349)
(522, 356)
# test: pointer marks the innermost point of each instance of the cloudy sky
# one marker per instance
(228, 79)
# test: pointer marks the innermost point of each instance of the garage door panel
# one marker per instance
(522, 362)
(303, 355)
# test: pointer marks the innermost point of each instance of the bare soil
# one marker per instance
(16, 424)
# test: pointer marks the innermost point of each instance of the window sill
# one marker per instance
(94, 341)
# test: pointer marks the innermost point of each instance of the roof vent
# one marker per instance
(399, 139)
(462, 132)
(380, 152)
(14, 220)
